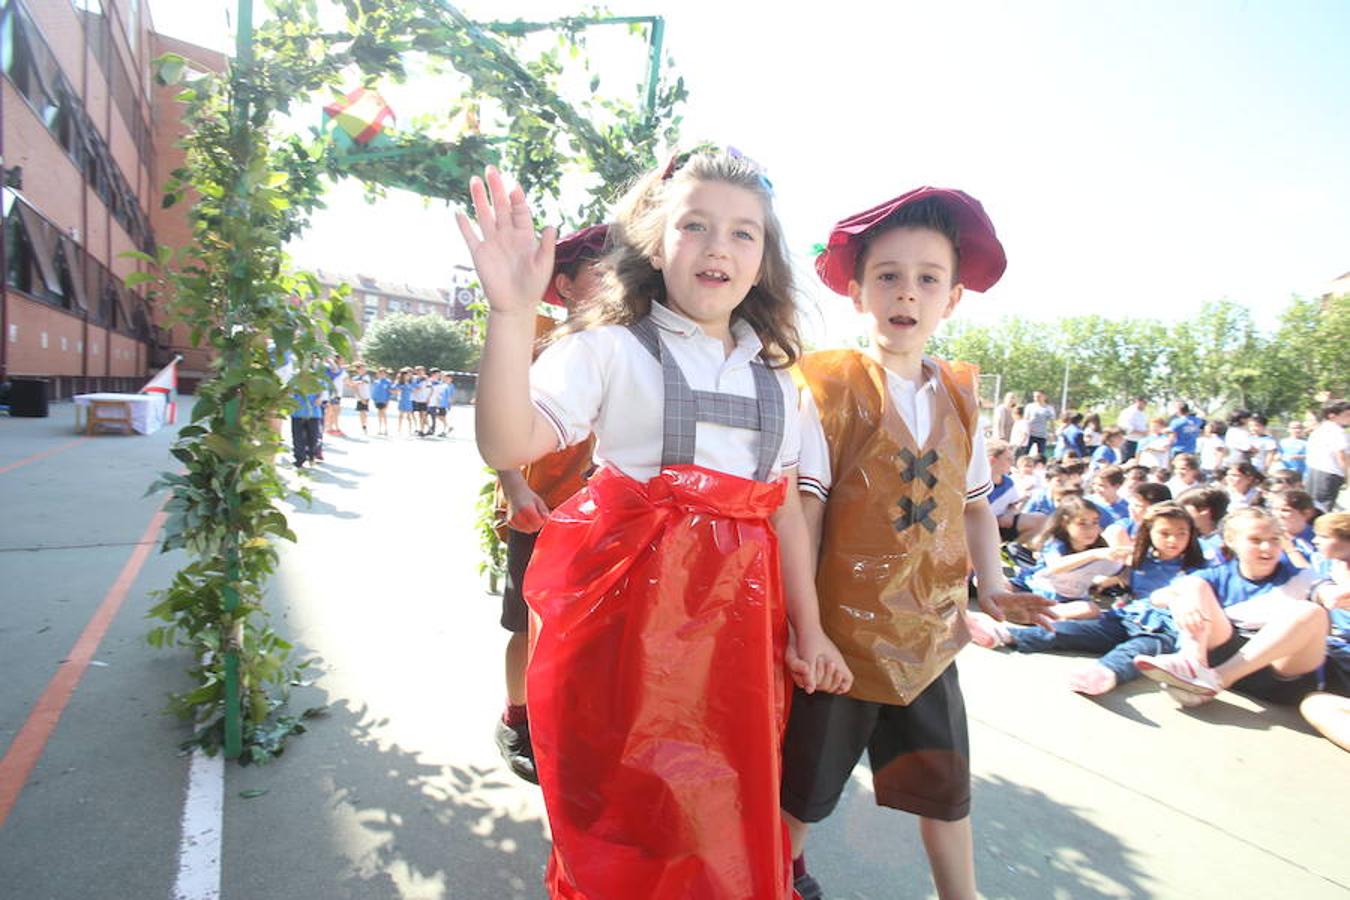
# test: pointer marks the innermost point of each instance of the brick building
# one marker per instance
(373, 299)
(86, 142)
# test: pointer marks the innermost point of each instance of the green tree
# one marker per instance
(252, 184)
(405, 340)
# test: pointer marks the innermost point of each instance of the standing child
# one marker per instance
(662, 632)
(1212, 448)
(1155, 450)
(1294, 448)
(1109, 452)
(532, 493)
(403, 387)
(361, 387)
(895, 486)
(421, 394)
(379, 395)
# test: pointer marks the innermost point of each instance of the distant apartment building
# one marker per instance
(1339, 287)
(87, 141)
(373, 298)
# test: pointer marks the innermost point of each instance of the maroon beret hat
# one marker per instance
(587, 243)
(982, 257)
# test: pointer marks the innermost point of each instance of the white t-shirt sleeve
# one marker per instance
(567, 385)
(790, 452)
(813, 472)
(979, 479)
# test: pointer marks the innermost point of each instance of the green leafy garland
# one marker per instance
(253, 188)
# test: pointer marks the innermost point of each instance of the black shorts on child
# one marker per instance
(919, 754)
(419, 406)
(1265, 683)
(519, 549)
(362, 405)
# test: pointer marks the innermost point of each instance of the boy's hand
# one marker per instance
(514, 264)
(818, 665)
(526, 511)
(1018, 607)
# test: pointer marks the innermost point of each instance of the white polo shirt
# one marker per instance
(604, 381)
(914, 403)
(1323, 443)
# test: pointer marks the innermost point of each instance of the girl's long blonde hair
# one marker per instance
(630, 284)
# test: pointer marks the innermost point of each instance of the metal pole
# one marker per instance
(654, 63)
(1064, 394)
(234, 743)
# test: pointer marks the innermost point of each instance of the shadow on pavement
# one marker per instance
(426, 824)
(1026, 845)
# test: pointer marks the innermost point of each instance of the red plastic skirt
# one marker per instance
(657, 688)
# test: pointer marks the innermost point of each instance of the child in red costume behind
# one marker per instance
(664, 590)
(528, 495)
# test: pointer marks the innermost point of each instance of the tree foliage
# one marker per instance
(1217, 360)
(405, 340)
(253, 187)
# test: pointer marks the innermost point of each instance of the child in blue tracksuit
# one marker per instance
(307, 429)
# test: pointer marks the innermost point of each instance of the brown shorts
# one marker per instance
(919, 754)
(519, 549)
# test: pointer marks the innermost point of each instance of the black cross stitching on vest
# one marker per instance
(912, 467)
(920, 514)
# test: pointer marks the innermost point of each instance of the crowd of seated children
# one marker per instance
(1244, 624)
(1006, 498)
(1165, 548)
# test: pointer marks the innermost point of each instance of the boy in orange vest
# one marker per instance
(530, 494)
(894, 480)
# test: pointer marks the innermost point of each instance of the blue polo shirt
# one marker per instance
(1230, 587)
(1186, 431)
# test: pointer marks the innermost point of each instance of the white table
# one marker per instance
(147, 410)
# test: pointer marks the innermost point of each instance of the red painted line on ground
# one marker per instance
(45, 453)
(23, 754)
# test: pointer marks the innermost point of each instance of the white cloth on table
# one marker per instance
(147, 410)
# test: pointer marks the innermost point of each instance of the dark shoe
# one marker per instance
(807, 887)
(513, 742)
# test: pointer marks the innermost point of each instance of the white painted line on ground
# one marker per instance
(203, 817)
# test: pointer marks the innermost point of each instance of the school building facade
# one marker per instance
(373, 299)
(87, 141)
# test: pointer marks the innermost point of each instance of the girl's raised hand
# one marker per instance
(514, 263)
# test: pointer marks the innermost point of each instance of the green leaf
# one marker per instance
(252, 793)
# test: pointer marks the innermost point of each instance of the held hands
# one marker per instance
(526, 511)
(1018, 607)
(514, 264)
(815, 663)
(1121, 554)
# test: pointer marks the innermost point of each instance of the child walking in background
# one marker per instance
(380, 390)
(530, 494)
(895, 484)
(403, 387)
(663, 631)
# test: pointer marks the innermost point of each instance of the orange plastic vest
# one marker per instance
(893, 557)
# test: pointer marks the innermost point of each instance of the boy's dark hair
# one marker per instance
(1074, 466)
(929, 214)
(1112, 432)
(1259, 419)
(1112, 475)
(1297, 499)
(1191, 558)
(1219, 427)
(1212, 497)
(1053, 470)
(1152, 492)
(1188, 460)
(586, 256)
(1239, 417)
(1335, 408)
(1183, 407)
(1286, 479)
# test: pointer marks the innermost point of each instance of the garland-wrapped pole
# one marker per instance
(243, 62)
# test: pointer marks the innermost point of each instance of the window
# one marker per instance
(394, 306)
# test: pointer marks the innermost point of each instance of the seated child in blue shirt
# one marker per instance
(1244, 624)
(1073, 558)
(1164, 549)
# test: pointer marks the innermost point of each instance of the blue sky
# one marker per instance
(1137, 158)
